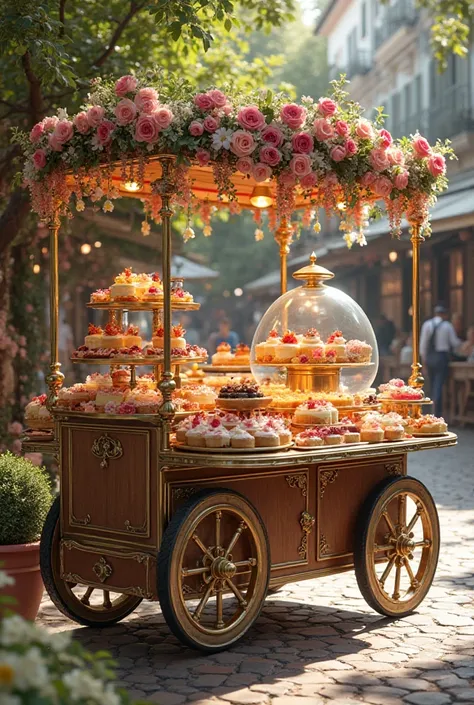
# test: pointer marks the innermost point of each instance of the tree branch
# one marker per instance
(135, 7)
(62, 4)
(13, 217)
(34, 97)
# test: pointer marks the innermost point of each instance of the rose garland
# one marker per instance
(324, 150)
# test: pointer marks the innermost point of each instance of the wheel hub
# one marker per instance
(405, 545)
(223, 569)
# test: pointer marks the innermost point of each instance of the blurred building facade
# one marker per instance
(384, 50)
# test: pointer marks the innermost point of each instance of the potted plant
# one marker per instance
(25, 499)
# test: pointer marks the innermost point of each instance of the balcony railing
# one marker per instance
(358, 65)
(402, 14)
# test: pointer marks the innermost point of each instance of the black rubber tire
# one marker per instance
(164, 567)
(56, 591)
(361, 539)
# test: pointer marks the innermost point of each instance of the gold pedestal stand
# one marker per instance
(308, 378)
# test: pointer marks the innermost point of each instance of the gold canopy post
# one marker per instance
(284, 236)
(55, 377)
(416, 378)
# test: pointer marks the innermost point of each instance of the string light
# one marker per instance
(36, 269)
(44, 250)
(238, 292)
(97, 243)
(132, 186)
(86, 249)
(393, 256)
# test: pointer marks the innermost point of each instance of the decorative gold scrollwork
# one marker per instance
(106, 448)
(324, 548)
(307, 523)
(136, 529)
(83, 522)
(299, 481)
(102, 569)
(326, 478)
(394, 469)
(183, 492)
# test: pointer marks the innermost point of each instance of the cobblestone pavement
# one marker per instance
(317, 641)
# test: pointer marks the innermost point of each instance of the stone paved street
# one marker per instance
(317, 641)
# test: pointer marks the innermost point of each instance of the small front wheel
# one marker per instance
(397, 546)
(213, 569)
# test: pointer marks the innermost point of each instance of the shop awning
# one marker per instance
(180, 267)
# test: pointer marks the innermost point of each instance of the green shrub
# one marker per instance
(25, 499)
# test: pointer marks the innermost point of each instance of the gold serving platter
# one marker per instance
(143, 305)
(405, 402)
(320, 366)
(226, 369)
(146, 360)
(58, 411)
(429, 435)
(238, 451)
(338, 445)
(253, 404)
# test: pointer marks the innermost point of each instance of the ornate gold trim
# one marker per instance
(307, 523)
(326, 477)
(324, 548)
(183, 492)
(299, 481)
(394, 469)
(106, 448)
(102, 569)
(83, 522)
(136, 529)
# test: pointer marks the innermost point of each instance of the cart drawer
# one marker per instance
(130, 572)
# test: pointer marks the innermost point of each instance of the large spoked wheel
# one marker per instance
(92, 607)
(213, 570)
(397, 546)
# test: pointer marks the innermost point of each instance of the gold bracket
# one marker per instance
(326, 478)
(307, 522)
(106, 448)
(298, 481)
(324, 548)
(102, 569)
(394, 469)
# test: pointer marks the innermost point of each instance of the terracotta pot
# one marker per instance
(22, 563)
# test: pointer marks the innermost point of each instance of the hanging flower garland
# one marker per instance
(324, 150)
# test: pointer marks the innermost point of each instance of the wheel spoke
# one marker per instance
(107, 603)
(385, 547)
(389, 523)
(86, 595)
(235, 538)
(396, 589)
(426, 543)
(252, 562)
(204, 600)
(218, 530)
(237, 593)
(186, 572)
(197, 540)
(419, 510)
(219, 610)
(387, 570)
(413, 581)
(402, 510)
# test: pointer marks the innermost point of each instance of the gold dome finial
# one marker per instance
(312, 257)
(313, 273)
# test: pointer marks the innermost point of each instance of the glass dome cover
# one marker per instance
(316, 308)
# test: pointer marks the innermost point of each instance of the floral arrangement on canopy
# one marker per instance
(324, 151)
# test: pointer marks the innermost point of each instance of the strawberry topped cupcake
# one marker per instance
(223, 355)
(124, 287)
(95, 338)
(178, 341)
(397, 389)
(153, 293)
(100, 296)
(270, 345)
(113, 337)
(132, 337)
(336, 343)
(358, 351)
(310, 343)
(287, 348)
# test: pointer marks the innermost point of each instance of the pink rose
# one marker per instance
(385, 138)
(146, 129)
(203, 101)
(293, 115)
(227, 109)
(81, 123)
(261, 172)
(146, 100)
(323, 129)
(436, 164)
(300, 165)
(196, 129)
(203, 157)
(364, 129)
(63, 131)
(54, 144)
(211, 123)
(379, 160)
(250, 118)
(331, 180)
(382, 186)
(104, 131)
(395, 156)
(421, 146)
(302, 142)
(95, 115)
(163, 116)
(49, 123)
(242, 143)
(287, 178)
(401, 180)
(338, 153)
(327, 107)
(309, 181)
(218, 98)
(368, 179)
(39, 159)
(37, 132)
(342, 128)
(270, 155)
(273, 135)
(351, 146)
(125, 84)
(125, 111)
(244, 165)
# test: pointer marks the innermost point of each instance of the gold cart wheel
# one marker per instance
(92, 607)
(213, 569)
(397, 546)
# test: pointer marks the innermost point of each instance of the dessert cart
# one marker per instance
(209, 534)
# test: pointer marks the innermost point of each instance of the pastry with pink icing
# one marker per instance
(358, 351)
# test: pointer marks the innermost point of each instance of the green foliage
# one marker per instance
(25, 499)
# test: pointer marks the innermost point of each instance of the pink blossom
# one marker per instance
(327, 107)
(300, 165)
(436, 164)
(22, 353)
(395, 156)
(203, 157)
(163, 116)
(302, 142)
(126, 408)
(125, 111)
(37, 132)
(273, 135)
(29, 308)
(261, 172)
(203, 101)
(54, 144)
(22, 340)
(81, 123)
(146, 129)
(351, 146)
(15, 428)
(342, 128)
(242, 143)
(309, 181)
(245, 165)
(196, 128)
(293, 115)
(95, 115)
(39, 159)
(218, 98)
(368, 179)
(146, 100)
(338, 153)
(227, 109)
(35, 458)
(104, 132)
(16, 446)
(379, 160)
(49, 123)
(382, 186)
(270, 155)
(211, 123)
(385, 138)
(421, 146)
(63, 131)
(250, 118)
(287, 178)
(364, 129)
(400, 180)
(323, 129)
(124, 85)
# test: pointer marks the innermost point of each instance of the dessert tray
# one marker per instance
(62, 411)
(325, 447)
(323, 366)
(404, 402)
(143, 305)
(228, 450)
(417, 434)
(226, 369)
(143, 360)
(243, 404)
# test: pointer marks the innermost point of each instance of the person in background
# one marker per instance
(385, 333)
(223, 335)
(406, 353)
(466, 349)
(438, 340)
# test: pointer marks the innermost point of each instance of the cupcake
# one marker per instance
(309, 439)
(178, 342)
(201, 394)
(270, 345)
(100, 296)
(336, 345)
(252, 425)
(153, 293)
(217, 437)
(104, 396)
(95, 338)
(113, 337)
(333, 439)
(351, 437)
(97, 381)
(315, 412)
(120, 378)
(124, 289)
(287, 348)
(241, 355)
(310, 343)
(267, 437)
(186, 425)
(358, 351)
(430, 424)
(132, 337)
(230, 421)
(240, 438)
(393, 433)
(143, 282)
(196, 436)
(372, 433)
(223, 355)
(37, 416)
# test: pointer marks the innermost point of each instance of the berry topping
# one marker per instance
(95, 330)
(112, 329)
(312, 333)
(289, 337)
(132, 330)
(273, 334)
(333, 336)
